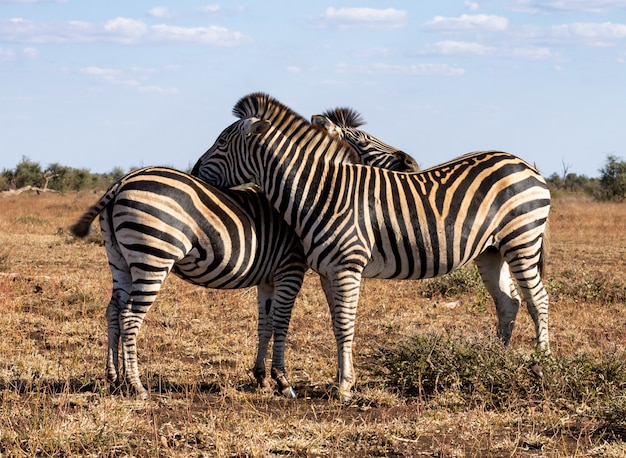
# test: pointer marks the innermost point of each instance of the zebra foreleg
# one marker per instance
(343, 295)
(496, 277)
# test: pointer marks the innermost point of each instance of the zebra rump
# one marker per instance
(156, 220)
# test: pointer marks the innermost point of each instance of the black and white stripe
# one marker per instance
(356, 221)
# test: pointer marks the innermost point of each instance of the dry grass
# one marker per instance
(197, 348)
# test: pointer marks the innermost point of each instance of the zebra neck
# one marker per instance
(299, 184)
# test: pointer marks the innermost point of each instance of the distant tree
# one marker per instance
(116, 173)
(55, 177)
(59, 173)
(27, 173)
(572, 182)
(613, 178)
(555, 181)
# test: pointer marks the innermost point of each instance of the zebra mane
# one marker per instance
(264, 106)
(345, 117)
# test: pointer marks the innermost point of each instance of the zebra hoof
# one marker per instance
(142, 395)
(289, 393)
(344, 397)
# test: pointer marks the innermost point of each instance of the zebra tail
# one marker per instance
(82, 226)
(543, 253)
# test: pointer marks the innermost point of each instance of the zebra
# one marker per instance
(357, 222)
(156, 220)
(342, 122)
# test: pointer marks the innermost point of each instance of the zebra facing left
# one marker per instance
(355, 222)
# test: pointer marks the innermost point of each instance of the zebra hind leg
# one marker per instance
(265, 295)
(142, 296)
(525, 267)
(287, 287)
(113, 334)
(496, 277)
(122, 284)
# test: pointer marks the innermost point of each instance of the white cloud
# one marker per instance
(7, 55)
(294, 69)
(530, 52)
(101, 72)
(403, 70)
(467, 22)
(472, 6)
(116, 77)
(160, 12)
(119, 30)
(593, 34)
(449, 48)
(212, 34)
(211, 8)
(568, 6)
(463, 48)
(590, 34)
(126, 30)
(348, 18)
(30, 53)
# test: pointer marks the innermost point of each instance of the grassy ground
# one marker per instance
(432, 381)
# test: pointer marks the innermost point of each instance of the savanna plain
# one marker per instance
(432, 378)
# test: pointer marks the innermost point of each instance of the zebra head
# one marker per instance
(235, 157)
(226, 163)
(343, 123)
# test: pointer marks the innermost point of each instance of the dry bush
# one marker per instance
(432, 378)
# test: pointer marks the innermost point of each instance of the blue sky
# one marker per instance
(99, 85)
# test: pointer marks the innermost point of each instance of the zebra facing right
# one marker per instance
(488, 206)
(343, 123)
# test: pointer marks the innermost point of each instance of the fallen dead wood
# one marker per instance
(37, 189)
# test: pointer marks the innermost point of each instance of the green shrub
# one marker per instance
(481, 370)
(613, 178)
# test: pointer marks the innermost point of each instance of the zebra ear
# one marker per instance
(321, 121)
(326, 124)
(256, 126)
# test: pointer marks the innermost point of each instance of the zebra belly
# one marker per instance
(394, 265)
(227, 267)
(406, 259)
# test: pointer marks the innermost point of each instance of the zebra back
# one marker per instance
(82, 227)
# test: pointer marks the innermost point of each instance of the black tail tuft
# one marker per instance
(81, 228)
